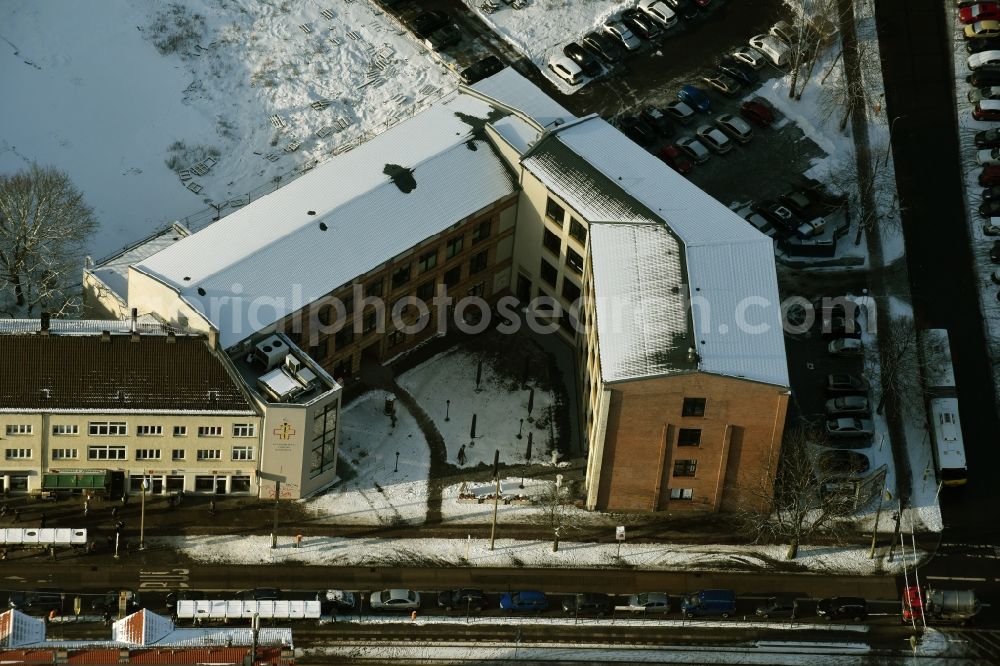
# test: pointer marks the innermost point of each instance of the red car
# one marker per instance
(677, 161)
(757, 113)
(990, 175)
(983, 11)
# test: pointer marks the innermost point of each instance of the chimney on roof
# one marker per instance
(44, 323)
(692, 355)
(171, 338)
(105, 336)
(135, 317)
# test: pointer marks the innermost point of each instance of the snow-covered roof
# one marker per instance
(729, 265)
(18, 629)
(145, 325)
(146, 628)
(113, 271)
(273, 257)
(510, 88)
(516, 132)
(642, 318)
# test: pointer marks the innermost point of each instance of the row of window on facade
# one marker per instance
(113, 452)
(120, 429)
(203, 483)
(557, 214)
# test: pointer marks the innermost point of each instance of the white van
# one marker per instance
(775, 51)
(566, 69)
(977, 60)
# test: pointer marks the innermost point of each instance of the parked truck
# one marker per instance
(939, 606)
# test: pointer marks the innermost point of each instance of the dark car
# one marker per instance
(603, 46)
(640, 24)
(442, 38)
(842, 608)
(259, 594)
(990, 208)
(686, 9)
(979, 45)
(990, 193)
(658, 120)
(987, 75)
(340, 601)
(486, 67)
(524, 601)
(43, 599)
(638, 131)
(695, 97)
(463, 599)
(778, 607)
(588, 604)
(987, 139)
(778, 215)
(427, 22)
(843, 463)
(584, 58)
(183, 595)
(844, 383)
(798, 201)
(995, 252)
(677, 160)
(989, 176)
(108, 602)
(740, 71)
(757, 113)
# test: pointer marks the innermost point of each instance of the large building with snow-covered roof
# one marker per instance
(496, 191)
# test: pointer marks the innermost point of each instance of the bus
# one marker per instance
(942, 407)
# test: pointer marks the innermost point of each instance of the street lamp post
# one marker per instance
(447, 410)
(142, 514)
(396, 468)
(520, 428)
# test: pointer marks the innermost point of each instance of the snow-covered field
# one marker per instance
(112, 91)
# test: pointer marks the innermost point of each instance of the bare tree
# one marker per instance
(902, 363)
(799, 508)
(44, 227)
(814, 27)
(556, 501)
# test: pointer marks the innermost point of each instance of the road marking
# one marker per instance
(971, 580)
(168, 579)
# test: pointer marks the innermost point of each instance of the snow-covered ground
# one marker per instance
(112, 91)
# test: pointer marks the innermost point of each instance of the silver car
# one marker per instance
(649, 602)
(750, 56)
(694, 149)
(622, 35)
(735, 127)
(680, 111)
(715, 139)
(849, 427)
(848, 404)
(395, 599)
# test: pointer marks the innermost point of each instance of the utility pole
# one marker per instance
(274, 527)
(496, 496)
(142, 514)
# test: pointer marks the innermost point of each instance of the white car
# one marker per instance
(715, 139)
(784, 32)
(622, 35)
(849, 427)
(735, 127)
(659, 12)
(977, 60)
(776, 51)
(846, 347)
(567, 70)
(395, 599)
(694, 149)
(988, 156)
(750, 56)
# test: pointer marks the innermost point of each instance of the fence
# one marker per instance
(46, 536)
(221, 609)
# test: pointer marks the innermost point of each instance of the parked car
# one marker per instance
(341, 601)
(757, 113)
(840, 608)
(995, 276)
(798, 201)
(987, 75)
(988, 156)
(584, 58)
(841, 462)
(989, 175)
(675, 159)
(567, 70)
(258, 594)
(778, 607)
(695, 97)
(694, 149)
(427, 22)
(987, 138)
(182, 595)
(641, 24)
(43, 599)
(990, 208)
(588, 604)
(979, 94)
(983, 58)
(750, 56)
(840, 382)
(992, 228)
(846, 347)
(638, 131)
(982, 30)
(735, 127)
(995, 252)
(784, 32)
(709, 602)
(987, 109)
(659, 12)
(779, 215)
(726, 85)
(681, 112)
(847, 426)
(463, 599)
(603, 46)
(443, 38)
(524, 601)
(977, 45)
(765, 227)
(396, 599)
(990, 193)
(737, 69)
(981, 11)
(658, 120)
(649, 602)
(622, 35)
(848, 405)
(485, 68)
(715, 139)
(774, 50)
(108, 602)
(686, 9)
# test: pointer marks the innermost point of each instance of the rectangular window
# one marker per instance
(478, 262)
(209, 454)
(65, 430)
(554, 212)
(369, 323)
(64, 454)
(689, 437)
(106, 452)
(693, 407)
(177, 454)
(482, 231)
(16, 454)
(551, 242)
(396, 338)
(244, 430)
(204, 484)
(425, 292)
(242, 453)
(453, 276)
(239, 484)
(108, 428)
(374, 288)
(400, 276)
(147, 454)
(348, 302)
(685, 467)
(477, 290)
(149, 430)
(454, 247)
(344, 369)
(577, 231)
(574, 260)
(549, 273)
(681, 493)
(428, 260)
(14, 429)
(322, 350)
(344, 337)
(210, 431)
(570, 291)
(180, 431)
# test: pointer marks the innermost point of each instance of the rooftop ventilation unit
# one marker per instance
(271, 350)
(293, 364)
